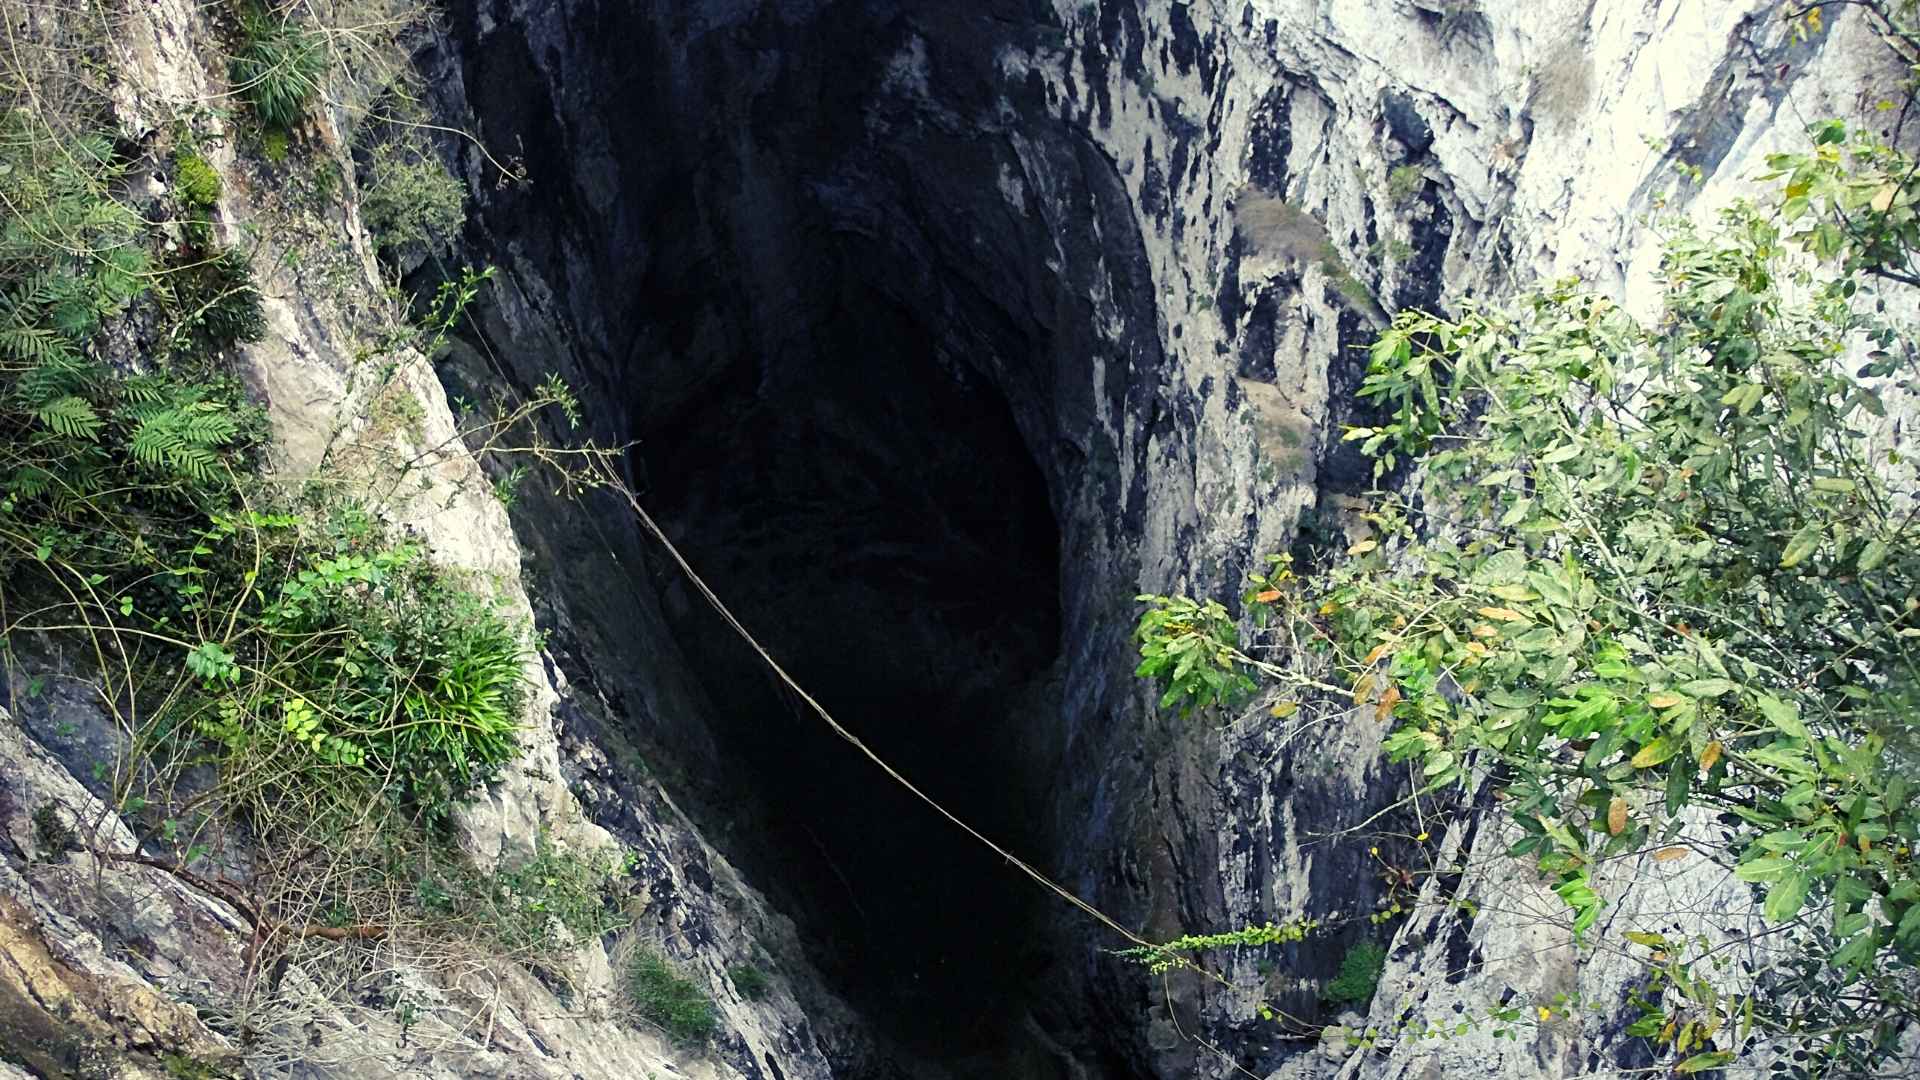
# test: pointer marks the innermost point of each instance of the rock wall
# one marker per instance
(1156, 231)
(1198, 210)
(111, 966)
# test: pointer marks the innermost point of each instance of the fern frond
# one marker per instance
(71, 416)
(30, 482)
(76, 318)
(142, 390)
(196, 463)
(157, 436)
(34, 344)
(206, 424)
(59, 373)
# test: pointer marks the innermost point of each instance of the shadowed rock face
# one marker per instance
(944, 328)
(861, 312)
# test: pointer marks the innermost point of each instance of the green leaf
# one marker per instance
(1712, 1059)
(1765, 868)
(1804, 543)
(1786, 897)
(1872, 555)
(1679, 786)
(1784, 717)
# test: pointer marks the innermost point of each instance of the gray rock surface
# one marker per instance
(1156, 231)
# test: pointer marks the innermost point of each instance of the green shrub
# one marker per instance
(1193, 650)
(70, 255)
(1404, 184)
(195, 181)
(665, 997)
(752, 983)
(368, 656)
(278, 67)
(556, 899)
(1359, 974)
(216, 302)
(410, 198)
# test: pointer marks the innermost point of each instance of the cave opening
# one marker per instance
(868, 507)
(871, 312)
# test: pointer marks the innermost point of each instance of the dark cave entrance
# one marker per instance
(876, 317)
(869, 509)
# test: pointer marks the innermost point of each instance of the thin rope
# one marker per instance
(819, 710)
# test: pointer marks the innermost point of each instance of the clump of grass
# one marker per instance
(1404, 184)
(1359, 974)
(278, 67)
(664, 996)
(752, 983)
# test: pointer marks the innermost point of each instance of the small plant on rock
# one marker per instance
(410, 198)
(1359, 974)
(1404, 184)
(752, 983)
(663, 996)
(278, 67)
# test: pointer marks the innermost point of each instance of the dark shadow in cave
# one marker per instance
(875, 312)
(875, 519)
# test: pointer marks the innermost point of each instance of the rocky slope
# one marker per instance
(1103, 262)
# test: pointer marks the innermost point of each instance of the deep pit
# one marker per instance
(876, 520)
(804, 261)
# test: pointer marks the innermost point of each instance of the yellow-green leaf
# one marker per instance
(1872, 555)
(1712, 1059)
(1804, 543)
(1654, 753)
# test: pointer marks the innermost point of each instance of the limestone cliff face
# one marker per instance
(1130, 243)
(1158, 230)
(112, 967)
